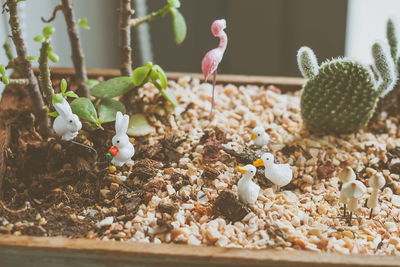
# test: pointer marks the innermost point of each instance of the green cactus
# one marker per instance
(340, 95)
(390, 103)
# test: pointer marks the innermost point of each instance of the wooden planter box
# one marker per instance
(60, 251)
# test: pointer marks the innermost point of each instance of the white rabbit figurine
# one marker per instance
(66, 124)
(120, 141)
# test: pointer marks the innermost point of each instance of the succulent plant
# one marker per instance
(390, 103)
(340, 96)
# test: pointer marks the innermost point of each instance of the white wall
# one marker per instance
(100, 43)
(366, 23)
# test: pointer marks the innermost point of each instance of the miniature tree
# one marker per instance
(126, 23)
(78, 59)
(26, 69)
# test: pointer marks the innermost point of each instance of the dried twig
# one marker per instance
(125, 38)
(53, 16)
(77, 56)
(13, 211)
(27, 71)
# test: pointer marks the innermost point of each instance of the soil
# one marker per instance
(182, 186)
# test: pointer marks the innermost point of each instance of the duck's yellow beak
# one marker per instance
(253, 136)
(258, 163)
(242, 170)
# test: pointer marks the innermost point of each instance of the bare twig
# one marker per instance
(77, 56)
(44, 72)
(27, 71)
(53, 16)
(152, 16)
(14, 211)
(125, 38)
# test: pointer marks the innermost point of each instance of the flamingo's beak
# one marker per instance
(258, 163)
(241, 169)
(253, 136)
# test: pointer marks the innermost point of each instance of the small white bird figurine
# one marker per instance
(247, 189)
(66, 124)
(279, 174)
(122, 149)
(259, 136)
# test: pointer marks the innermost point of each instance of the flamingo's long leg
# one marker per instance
(213, 93)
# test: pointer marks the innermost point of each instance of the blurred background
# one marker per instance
(264, 35)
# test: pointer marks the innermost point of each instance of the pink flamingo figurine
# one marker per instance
(211, 60)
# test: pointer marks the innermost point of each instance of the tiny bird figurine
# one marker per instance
(212, 59)
(247, 189)
(259, 136)
(279, 174)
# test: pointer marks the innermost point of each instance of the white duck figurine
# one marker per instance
(247, 189)
(279, 174)
(259, 136)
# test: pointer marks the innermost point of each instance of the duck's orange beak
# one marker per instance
(258, 163)
(253, 136)
(242, 170)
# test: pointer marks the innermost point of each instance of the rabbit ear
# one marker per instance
(124, 124)
(63, 108)
(118, 122)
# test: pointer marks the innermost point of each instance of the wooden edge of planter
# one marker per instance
(285, 83)
(169, 253)
(173, 254)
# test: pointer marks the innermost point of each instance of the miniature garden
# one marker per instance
(145, 159)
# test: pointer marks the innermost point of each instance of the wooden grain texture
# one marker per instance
(59, 251)
(82, 252)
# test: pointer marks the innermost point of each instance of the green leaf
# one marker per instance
(3, 69)
(32, 58)
(5, 79)
(179, 26)
(92, 82)
(39, 38)
(140, 74)
(82, 23)
(71, 94)
(48, 31)
(113, 87)
(108, 109)
(85, 110)
(63, 85)
(57, 98)
(53, 114)
(174, 3)
(161, 75)
(169, 96)
(53, 57)
(139, 126)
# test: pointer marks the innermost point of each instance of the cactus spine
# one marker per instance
(340, 96)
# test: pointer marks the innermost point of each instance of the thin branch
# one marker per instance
(152, 16)
(77, 56)
(44, 72)
(27, 71)
(18, 81)
(53, 16)
(125, 38)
